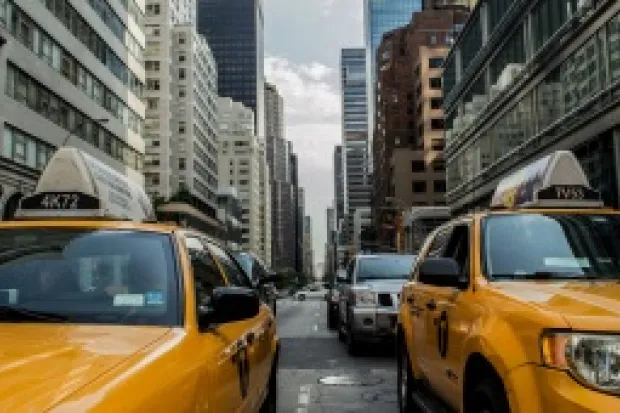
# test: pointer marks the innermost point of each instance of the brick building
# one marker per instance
(408, 136)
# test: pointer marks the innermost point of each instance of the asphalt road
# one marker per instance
(316, 373)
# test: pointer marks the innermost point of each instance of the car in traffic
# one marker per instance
(257, 271)
(102, 309)
(370, 298)
(311, 291)
(517, 308)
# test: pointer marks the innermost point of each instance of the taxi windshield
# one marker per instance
(551, 246)
(87, 276)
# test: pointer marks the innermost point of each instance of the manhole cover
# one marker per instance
(346, 380)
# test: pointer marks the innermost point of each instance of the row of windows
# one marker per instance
(203, 189)
(420, 187)
(40, 99)
(205, 158)
(205, 174)
(78, 26)
(25, 149)
(438, 165)
(588, 70)
(134, 11)
(46, 48)
(116, 25)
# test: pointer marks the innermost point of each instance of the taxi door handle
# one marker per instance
(431, 305)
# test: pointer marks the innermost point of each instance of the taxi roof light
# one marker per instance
(76, 185)
(554, 181)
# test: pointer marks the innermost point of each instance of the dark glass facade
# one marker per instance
(382, 16)
(235, 33)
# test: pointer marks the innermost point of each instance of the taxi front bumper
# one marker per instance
(534, 388)
(373, 323)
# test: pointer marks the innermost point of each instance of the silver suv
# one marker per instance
(370, 298)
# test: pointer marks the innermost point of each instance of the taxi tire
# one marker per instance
(405, 401)
(489, 396)
(270, 405)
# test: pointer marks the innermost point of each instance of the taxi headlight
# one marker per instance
(365, 297)
(592, 358)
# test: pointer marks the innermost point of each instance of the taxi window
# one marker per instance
(551, 246)
(88, 276)
(207, 276)
(234, 272)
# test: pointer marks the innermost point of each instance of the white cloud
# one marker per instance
(312, 114)
(308, 94)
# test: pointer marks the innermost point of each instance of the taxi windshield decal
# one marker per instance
(154, 298)
(129, 300)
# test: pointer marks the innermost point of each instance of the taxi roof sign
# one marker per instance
(555, 181)
(76, 185)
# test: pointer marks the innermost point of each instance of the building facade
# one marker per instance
(265, 204)
(308, 262)
(339, 184)
(380, 17)
(239, 167)
(409, 168)
(355, 129)
(524, 80)
(229, 213)
(71, 74)
(235, 32)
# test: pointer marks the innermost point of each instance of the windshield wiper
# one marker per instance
(9, 313)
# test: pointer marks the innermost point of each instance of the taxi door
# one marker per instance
(257, 334)
(421, 301)
(224, 374)
(451, 319)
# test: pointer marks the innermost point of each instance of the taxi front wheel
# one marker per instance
(488, 397)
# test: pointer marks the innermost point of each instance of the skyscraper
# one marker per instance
(382, 16)
(355, 129)
(339, 184)
(235, 32)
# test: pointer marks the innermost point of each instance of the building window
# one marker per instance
(26, 149)
(182, 73)
(435, 83)
(152, 84)
(182, 38)
(418, 166)
(182, 57)
(439, 165)
(437, 124)
(439, 186)
(38, 98)
(436, 103)
(152, 103)
(182, 164)
(435, 62)
(181, 92)
(433, 39)
(182, 126)
(419, 187)
(437, 145)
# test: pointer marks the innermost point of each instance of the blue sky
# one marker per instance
(303, 39)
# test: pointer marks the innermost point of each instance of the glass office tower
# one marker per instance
(235, 32)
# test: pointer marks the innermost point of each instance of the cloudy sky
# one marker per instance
(303, 39)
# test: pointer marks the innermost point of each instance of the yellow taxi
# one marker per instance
(517, 309)
(104, 311)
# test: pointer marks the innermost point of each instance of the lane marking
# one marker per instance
(303, 399)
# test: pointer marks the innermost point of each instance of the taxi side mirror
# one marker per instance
(229, 304)
(441, 272)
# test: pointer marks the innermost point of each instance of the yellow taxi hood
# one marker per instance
(585, 305)
(41, 364)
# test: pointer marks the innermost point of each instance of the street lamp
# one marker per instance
(72, 131)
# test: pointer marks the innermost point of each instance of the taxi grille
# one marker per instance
(385, 300)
